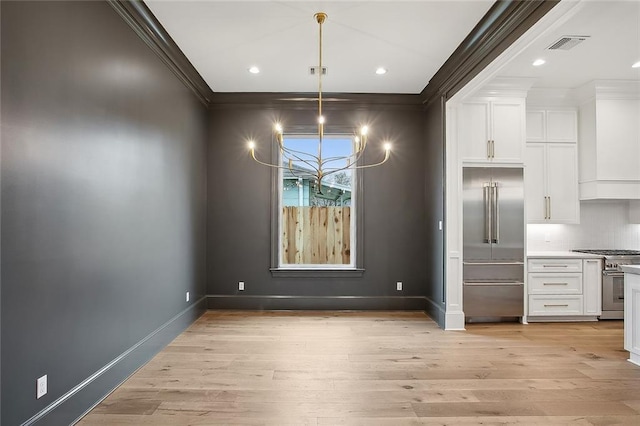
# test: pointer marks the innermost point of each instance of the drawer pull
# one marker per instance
(555, 283)
(555, 266)
(556, 306)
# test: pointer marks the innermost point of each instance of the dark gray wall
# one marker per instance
(103, 199)
(239, 217)
(434, 175)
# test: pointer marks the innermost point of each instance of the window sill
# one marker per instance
(316, 273)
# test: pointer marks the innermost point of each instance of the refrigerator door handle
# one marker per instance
(487, 213)
(495, 213)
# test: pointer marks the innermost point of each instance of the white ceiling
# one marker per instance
(412, 39)
(613, 46)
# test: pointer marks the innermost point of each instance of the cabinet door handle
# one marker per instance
(555, 266)
(547, 209)
(489, 148)
(555, 283)
(493, 148)
(556, 306)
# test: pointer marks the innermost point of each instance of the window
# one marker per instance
(316, 223)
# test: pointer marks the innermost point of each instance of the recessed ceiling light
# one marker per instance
(538, 62)
(636, 65)
(381, 71)
(254, 70)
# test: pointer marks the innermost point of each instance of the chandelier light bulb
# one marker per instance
(364, 130)
(387, 146)
(252, 145)
(278, 127)
(321, 119)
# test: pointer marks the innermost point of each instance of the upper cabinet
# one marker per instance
(552, 125)
(551, 166)
(610, 141)
(551, 183)
(492, 130)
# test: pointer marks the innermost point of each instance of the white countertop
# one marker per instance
(632, 269)
(562, 254)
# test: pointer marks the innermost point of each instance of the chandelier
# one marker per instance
(300, 163)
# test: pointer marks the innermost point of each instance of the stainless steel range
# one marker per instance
(613, 279)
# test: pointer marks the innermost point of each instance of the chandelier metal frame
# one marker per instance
(319, 166)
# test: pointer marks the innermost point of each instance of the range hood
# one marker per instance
(609, 140)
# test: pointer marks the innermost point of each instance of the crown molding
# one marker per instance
(507, 86)
(608, 89)
(333, 101)
(138, 16)
(552, 97)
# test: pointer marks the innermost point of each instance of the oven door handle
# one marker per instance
(613, 274)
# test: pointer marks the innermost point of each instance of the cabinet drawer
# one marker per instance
(555, 265)
(555, 283)
(555, 305)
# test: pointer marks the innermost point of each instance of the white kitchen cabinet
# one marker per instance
(564, 288)
(555, 305)
(632, 313)
(536, 126)
(551, 183)
(554, 264)
(552, 125)
(592, 286)
(492, 130)
(555, 283)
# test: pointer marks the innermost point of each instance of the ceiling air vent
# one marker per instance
(314, 70)
(567, 42)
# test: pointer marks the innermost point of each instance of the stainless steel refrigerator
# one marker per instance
(493, 242)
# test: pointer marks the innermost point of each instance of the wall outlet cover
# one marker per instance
(241, 285)
(41, 387)
(399, 286)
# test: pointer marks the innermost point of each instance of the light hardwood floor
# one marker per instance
(379, 368)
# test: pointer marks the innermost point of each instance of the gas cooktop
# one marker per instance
(608, 252)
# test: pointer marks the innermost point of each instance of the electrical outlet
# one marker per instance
(399, 286)
(187, 296)
(41, 387)
(439, 225)
(241, 285)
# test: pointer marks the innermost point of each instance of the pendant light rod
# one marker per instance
(320, 18)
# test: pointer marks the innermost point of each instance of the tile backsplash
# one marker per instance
(603, 225)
